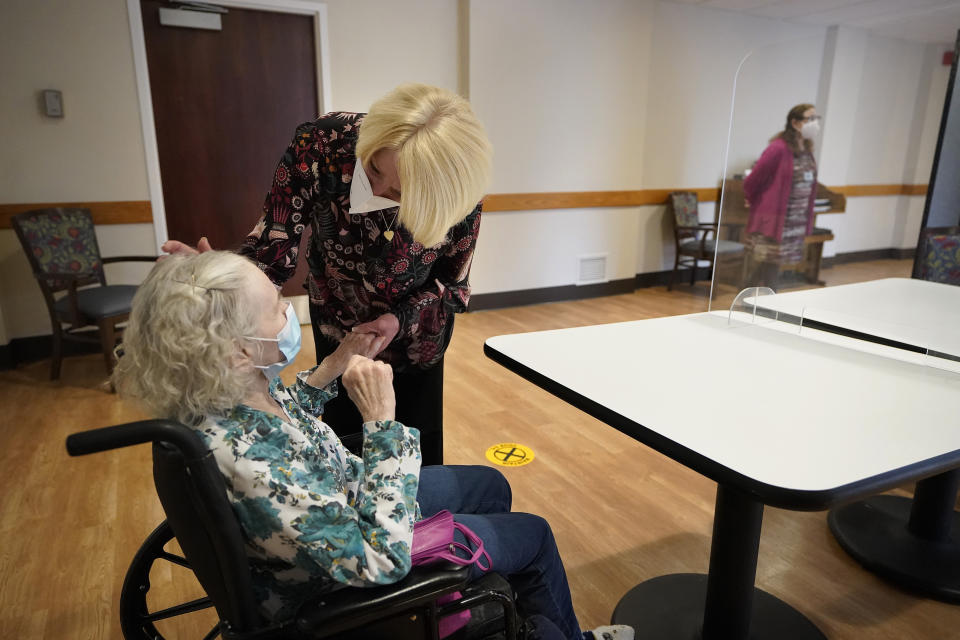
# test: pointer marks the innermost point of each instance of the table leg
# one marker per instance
(733, 565)
(907, 542)
(724, 604)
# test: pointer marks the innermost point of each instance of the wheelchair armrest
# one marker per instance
(353, 607)
(132, 433)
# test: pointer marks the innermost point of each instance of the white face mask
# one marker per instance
(362, 199)
(810, 129)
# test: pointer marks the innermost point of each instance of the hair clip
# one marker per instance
(193, 283)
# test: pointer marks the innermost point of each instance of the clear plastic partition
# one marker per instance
(815, 229)
(749, 308)
(820, 135)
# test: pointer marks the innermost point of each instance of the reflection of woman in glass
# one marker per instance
(780, 191)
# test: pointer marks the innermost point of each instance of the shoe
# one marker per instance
(610, 632)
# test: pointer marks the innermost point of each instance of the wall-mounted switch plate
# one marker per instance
(53, 103)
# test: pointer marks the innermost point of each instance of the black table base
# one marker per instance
(907, 542)
(723, 605)
(671, 607)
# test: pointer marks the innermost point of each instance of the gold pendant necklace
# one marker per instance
(388, 234)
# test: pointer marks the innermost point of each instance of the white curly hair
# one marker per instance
(179, 350)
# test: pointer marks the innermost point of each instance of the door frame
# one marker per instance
(322, 51)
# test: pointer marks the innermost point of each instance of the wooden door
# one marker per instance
(225, 105)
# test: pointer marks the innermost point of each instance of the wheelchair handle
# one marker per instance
(131, 433)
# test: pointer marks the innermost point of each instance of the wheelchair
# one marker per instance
(200, 517)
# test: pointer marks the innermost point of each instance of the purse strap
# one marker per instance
(473, 556)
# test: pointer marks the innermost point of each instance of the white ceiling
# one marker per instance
(935, 21)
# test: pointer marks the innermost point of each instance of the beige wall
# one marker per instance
(880, 127)
(885, 103)
(932, 113)
(696, 53)
(378, 44)
(562, 86)
(609, 94)
(94, 153)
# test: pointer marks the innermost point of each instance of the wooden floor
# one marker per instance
(621, 512)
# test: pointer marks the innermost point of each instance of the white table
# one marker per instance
(905, 541)
(750, 433)
(905, 312)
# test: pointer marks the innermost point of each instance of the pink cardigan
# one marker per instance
(767, 189)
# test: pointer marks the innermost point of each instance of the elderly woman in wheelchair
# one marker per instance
(207, 336)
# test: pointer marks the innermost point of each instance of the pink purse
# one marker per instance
(433, 542)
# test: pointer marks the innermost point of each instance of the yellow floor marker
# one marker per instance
(510, 454)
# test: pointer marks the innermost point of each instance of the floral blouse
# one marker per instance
(362, 265)
(314, 516)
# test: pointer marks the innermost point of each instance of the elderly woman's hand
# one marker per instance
(370, 385)
(364, 344)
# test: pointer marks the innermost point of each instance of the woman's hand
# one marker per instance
(177, 248)
(386, 326)
(370, 385)
(364, 344)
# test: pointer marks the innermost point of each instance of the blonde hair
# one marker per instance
(187, 320)
(444, 156)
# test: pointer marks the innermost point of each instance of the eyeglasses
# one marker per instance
(812, 119)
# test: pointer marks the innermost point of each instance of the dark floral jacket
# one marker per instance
(357, 271)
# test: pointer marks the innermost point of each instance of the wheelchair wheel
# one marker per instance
(136, 618)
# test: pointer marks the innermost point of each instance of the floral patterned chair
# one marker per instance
(694, 240)
(938, 255)
(62, 249)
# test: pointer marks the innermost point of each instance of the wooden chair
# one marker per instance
(938, 255)
(693, 240)
(63, 252)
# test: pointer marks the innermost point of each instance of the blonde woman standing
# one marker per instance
(393, 201)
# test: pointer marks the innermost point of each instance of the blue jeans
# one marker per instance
(521, 545)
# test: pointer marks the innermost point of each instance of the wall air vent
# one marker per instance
(593, 269)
